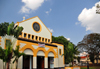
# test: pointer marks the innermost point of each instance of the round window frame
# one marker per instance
(39, 25)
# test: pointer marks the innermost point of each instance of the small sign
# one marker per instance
(41, 45)
(51, 60)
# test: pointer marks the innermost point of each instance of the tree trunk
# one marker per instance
(16, 64)
(8, 65)
(97, 61)
(87, 65)
(10, 56)
(72, 63)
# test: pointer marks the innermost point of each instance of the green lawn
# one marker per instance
(90, 67)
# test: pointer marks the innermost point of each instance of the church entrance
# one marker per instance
(50, 62)
(40, 62)
(27, 62)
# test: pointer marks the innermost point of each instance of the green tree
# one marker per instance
(90, 44)
(78, 58)
(5, 55)
(17, 55)
(10, 30)
(72, 51)
(91, 56)
(3, 28)
(2, 57)
(69, 48)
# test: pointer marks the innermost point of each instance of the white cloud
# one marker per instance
(68, 39)
(77, 23)
(31, 5)
(47, 12)
(90, 19)
(51, 30)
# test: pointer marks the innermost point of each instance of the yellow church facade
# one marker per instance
(36, 42)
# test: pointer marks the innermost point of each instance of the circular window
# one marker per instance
(36, 27)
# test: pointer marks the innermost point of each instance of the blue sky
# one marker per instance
(69, 18)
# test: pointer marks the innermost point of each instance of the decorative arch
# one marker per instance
(28, 52)
(28, 47)
(40, 49)
(50, 54)
(51, 50)
(40, 53)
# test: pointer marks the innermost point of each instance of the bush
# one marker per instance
(70, 65)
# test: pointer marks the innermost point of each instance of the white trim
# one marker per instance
(50, 54)
(46, 48)
(35, 47)
(22, 45)
(40, 53)
(28, 52)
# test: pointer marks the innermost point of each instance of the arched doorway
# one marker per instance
(28, 59)
(50, 60)
(40, 60)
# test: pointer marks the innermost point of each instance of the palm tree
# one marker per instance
(6, 55)
(17, 55)
(9, 52)
(2, 56)
(15, 31)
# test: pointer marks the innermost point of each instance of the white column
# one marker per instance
(34, 62)
(20, 62)
(46, 62)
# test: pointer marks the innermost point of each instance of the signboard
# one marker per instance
(41, 45)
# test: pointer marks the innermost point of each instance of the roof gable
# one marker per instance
(29, 28)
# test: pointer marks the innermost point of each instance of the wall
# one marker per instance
(27, 25)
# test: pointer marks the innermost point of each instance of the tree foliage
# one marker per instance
(16, 31)
(17, 55)
(12, 30)
(3, 28)
(90, 44)
(69, 48)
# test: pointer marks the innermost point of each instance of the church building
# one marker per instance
(36, 42)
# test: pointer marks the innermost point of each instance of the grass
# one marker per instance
(90, 67)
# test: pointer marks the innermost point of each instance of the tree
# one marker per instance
(3, 28)
(5, 55)
(69, 48)
(78, 58)
(2, 57)
(17, 55)
(11, 31)
(90, 44)
(73, 50)
(91, 57)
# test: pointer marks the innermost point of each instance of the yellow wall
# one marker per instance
(72, 67)
(35, 51)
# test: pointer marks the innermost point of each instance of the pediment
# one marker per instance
(34, 26)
